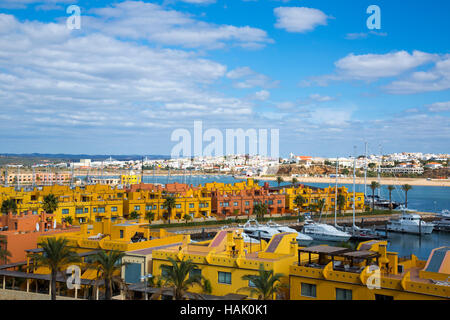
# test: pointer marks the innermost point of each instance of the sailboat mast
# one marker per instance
(335, 191)
(379, 169)
(354, 183)
(365, 169)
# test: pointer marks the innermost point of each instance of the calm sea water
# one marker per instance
(420, 198)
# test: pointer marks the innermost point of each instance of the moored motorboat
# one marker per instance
(410, 223)
(302, 239)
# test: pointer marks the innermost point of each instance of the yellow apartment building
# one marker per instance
(193, 202)
(313, 195)
(226, 258)
(129, 179)
(82, 204)
(369, 273)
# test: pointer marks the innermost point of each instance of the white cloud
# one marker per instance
(66, 81)
(439, 106)
(43, 4)
(436, 79)
(299, 19)
(320, 98)
(250, 79)
(147, 21)
(262, 95)
(331, 117)
(373, 66)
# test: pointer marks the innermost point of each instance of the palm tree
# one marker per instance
(299, 201)
(178, 277)
(260, 209)
(69, 220)
(390, 189)
(279, 180)
(256, 181)
(4, 253)
(50, 203)
(107, 264)
(169, 204)
(9, 205)
(56, 255)
(294, 181)
(406, 188)
(264, 285)
(340, 202)
(374, 186)
(134, 215)
(187, 217)
(150, 216)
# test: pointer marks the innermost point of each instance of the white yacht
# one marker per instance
(444, 214)
(254, 230)
(326, 232)
(443, 224)
(302, 239)
(410, 223)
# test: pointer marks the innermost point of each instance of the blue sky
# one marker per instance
(138, 70)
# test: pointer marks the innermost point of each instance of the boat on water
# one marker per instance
(302, 239)
(443, 224)
(380, 203)
(410, 223)
(257, 231)
(324, 232)
(444, 214)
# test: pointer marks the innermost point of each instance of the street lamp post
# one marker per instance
(145, 277)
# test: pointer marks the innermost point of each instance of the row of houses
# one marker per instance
(370, 272)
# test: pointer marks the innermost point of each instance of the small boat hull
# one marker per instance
(428, 229)
(329, 237)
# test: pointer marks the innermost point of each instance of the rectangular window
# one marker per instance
(78, 210)
(113, 209)
(161, 207)
(270, 201)
(195, 272)
(86, 210)
(279, 201)
(137, 208)
(165, 270)
(98, 219)
(247, 203)
(235, 204)
(191, 205)
(94, 209)
(65, 211)
(343, 294)
(178, 206)
(121, 234)
(225, 204)
(225, 277)
(309, 290)
(101, 209)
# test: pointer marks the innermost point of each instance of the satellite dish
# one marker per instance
(54, 224)
(37, 226)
